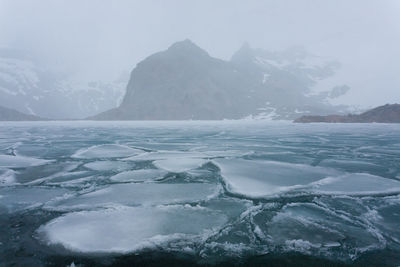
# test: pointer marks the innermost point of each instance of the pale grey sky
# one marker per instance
(98, 38)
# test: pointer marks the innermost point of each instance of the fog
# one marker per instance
(101, 39)
(199, 133)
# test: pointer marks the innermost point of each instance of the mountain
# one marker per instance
(8, 114)
(182, 83)
(28, 86)
(383, 114)
(185, 82)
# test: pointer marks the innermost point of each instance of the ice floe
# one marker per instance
(108, 165)
(8, 161)
(356, 184)
(67, 168)
(77, 179)
(138, 194)
(306, 227)
(139, 175)
(130, 228)
(173, 161)
(257, 178)
(161, 155)
(14, 199)
(106, 151)
(179, 164)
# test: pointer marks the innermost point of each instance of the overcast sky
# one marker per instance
(98, 38)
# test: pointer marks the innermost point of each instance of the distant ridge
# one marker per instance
(389, 113)
(8, 114)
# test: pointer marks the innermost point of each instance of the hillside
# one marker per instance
(389, 113)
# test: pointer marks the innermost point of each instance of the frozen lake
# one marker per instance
(99, 193)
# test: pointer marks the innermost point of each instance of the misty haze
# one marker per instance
(184, 133)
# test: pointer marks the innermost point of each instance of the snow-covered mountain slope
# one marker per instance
(8, 114)
(31, 89)
(290, 82)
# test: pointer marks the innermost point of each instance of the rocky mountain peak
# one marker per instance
(244, 54)
(186, 47)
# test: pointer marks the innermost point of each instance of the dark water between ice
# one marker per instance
(181, 193)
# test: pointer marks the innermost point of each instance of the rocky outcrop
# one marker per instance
(383, 114)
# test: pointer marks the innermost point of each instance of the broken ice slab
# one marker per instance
(138, 194)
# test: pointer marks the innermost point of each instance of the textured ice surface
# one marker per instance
(20, 161)
(173, 161)
(327, 191)
(188, 154)
(139, 194)
(68, 176)
(19, 198)
(62, 169)
(77, 179)
(106, 151)
(108, 165)
(139, 175)
(357, 184)
(307, 227)
(386, 216)
(264, 178)
(159, 155)
(128, 229)
(179, 164)
(7, 177)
